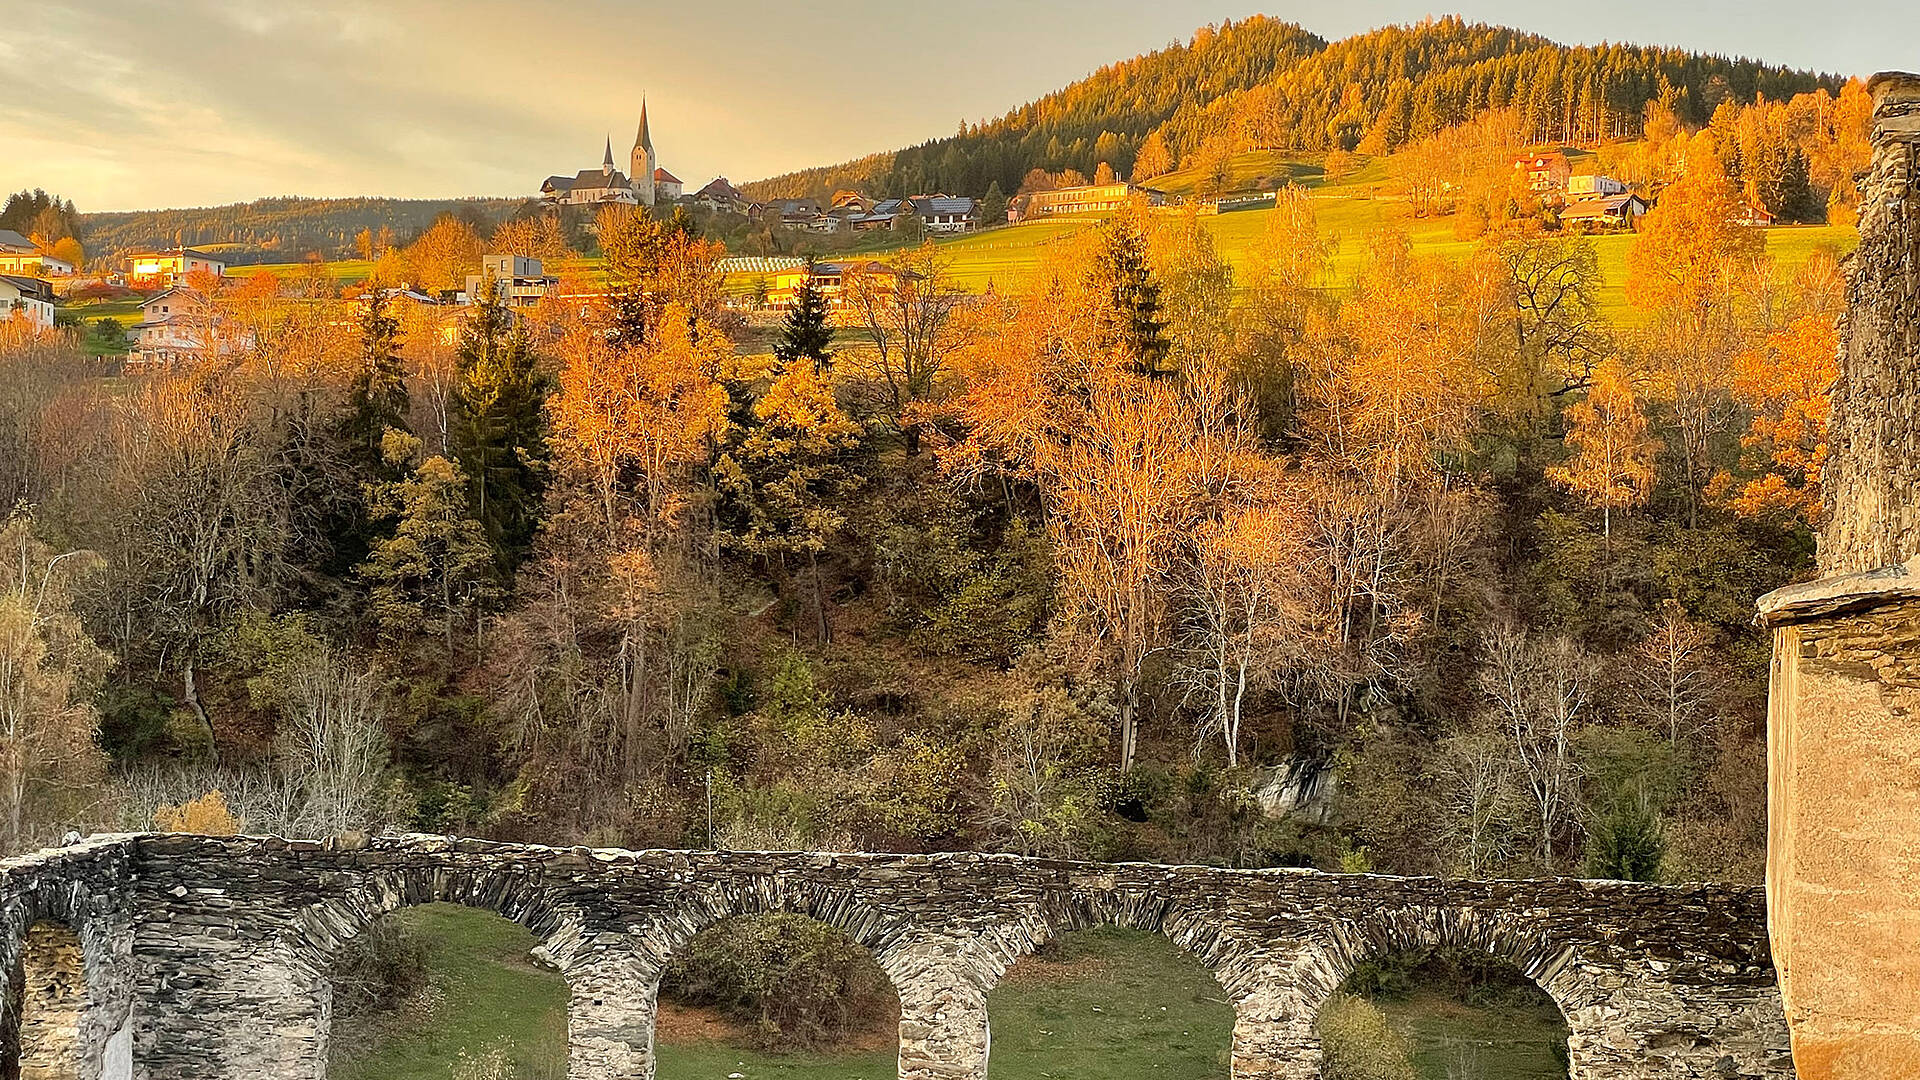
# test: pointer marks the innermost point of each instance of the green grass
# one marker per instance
(1506, 1041)
(488, 996)
(1110, 1004)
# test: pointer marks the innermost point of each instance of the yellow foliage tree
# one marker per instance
(1613, 459)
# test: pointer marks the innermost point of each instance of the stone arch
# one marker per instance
(923, 968)
(72, 1015)
(1241, 967)
(1509, 936)
(319, 932)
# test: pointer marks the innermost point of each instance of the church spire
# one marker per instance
(606, 165)
(642, 140)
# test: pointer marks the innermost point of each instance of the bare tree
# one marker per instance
(334, 747)
(907, 312)
(1537, 698)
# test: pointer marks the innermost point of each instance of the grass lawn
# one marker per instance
(485, 996)
(1110, 1004)
(1490, 1042)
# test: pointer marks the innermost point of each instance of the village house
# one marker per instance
(1087, 199)
(1603, 211)
(1546, 172)
(518, 281)
(19, 256)
(1581, 187)
(160, 269)
(1755, 216)
(797, 213)
(830, 278)
(181, 324)
(721, 197)
(947, 213)
(666, 186)
(26, 298)
(886, 214)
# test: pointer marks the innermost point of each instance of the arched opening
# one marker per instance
(1109, 1002)
(775, 994)
(49, 1001)
(445, 992)
(1442, 1013)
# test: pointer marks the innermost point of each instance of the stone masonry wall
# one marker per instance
(1873, 518)
(229, 939)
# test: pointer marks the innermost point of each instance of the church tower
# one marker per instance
(643, 162)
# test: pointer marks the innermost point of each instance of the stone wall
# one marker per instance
(1843, 850)
(1873, 517)
(229, 938)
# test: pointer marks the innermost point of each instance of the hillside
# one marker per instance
(1266, 83)
(279, 229)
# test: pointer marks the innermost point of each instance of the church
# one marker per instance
(647, 184)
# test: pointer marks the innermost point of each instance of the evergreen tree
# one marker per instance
(993, 206)
(377, 397)
(806, 335)
(433, 572)
(1132, 322)
(499, 428)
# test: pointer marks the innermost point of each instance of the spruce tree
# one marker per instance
(805, 334)
(499, 429)
(377, 397)
(1132, 320)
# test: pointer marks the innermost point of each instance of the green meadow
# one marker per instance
(1101, 1004)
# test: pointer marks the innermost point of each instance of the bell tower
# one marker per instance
(643, 162)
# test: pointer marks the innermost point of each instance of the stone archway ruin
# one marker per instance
(212, 945)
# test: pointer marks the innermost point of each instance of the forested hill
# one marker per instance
(1270, 84)
(280, 229)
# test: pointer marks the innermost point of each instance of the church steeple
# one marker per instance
(606, 165)
(642, 161)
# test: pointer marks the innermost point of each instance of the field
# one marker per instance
(1103, 1004)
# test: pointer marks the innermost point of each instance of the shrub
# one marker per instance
(376, 973)
(1359, 1044)
(797, 983)
(207, 815)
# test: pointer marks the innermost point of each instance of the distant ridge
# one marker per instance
(1261, 82)
(281, 229)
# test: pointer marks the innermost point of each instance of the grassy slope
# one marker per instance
(1348, 209)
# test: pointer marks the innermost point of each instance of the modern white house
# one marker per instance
(163, 268)
(26, 298)
(19, 256)
(518, 280)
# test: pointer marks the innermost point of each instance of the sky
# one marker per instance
(134, 104)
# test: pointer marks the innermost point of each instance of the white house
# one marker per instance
(26, 298)
(163, 268)
(19, 256)
(946, 213)
(182, 324)
(518, 280)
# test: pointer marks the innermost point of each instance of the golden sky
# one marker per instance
(123, 104)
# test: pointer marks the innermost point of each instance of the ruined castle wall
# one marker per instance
(1874, 465)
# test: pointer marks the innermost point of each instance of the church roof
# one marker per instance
(607, 162)
(591, 179)
(642, 139)
(556, 183)
(662, 174)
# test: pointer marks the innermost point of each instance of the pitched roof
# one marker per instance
(943, 204)
(556, 183)
(718, 188)
(594, 179)
(663, 175)
(29, 286)
(1602, 206)
(11, 239)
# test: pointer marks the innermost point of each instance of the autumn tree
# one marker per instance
(1613, 454)
(907, 312)
(50, 762)
(536, 236)
(781, 479)
(443, 255)
(1785, 383)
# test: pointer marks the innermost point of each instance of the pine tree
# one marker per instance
(993, 207)
(1132, 321)
(806, 335)
(499, 429)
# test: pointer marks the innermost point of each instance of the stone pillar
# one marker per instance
(613, 998)
(53, 1003)
(944, 1033)
(1843, 850)
(1843, 844)
(1274, 1047)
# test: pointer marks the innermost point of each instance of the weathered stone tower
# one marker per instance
(1843, 862)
